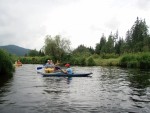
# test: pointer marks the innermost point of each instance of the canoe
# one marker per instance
(60, 74)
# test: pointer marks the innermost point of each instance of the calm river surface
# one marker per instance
(109, 90)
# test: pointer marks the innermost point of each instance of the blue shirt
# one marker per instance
(69, 71)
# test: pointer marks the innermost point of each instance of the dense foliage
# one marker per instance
(138, 60)
(6, 65)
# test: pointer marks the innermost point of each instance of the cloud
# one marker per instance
(143, 4)
(27, 22)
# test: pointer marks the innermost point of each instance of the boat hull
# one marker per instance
(66, 75)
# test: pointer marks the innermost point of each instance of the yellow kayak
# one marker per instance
(17, 65)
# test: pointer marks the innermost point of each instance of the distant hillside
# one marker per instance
(13, 49)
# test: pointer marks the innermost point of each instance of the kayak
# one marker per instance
(60, 74)
(17, 65)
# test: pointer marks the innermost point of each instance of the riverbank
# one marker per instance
(137, 60)
(128, 60)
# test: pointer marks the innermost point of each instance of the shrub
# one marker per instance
(6, 65)
(138, 60)
(91, 62)
(145, 61)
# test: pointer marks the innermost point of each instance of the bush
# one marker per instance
(6, 65)
(91, 62)
(145, 61)
(107, 56)
(138, 60)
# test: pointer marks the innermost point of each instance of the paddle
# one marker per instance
(58, 68)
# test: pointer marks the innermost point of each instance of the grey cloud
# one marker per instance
(143, 4)
(113, 23)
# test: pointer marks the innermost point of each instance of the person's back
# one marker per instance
(69, 69)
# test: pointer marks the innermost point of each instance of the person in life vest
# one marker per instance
(68, 70)
(49, 67)
(18, 63)
(49, 64)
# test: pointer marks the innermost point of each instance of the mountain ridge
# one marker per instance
(14, 49)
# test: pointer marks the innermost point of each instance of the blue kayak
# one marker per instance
(60, 74)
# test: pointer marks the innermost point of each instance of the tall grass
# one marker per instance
(138, 60)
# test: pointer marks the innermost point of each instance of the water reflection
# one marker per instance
(139, 83)
(5, 81)
(139, 79)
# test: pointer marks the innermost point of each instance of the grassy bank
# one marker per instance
(138, 60)
(134, 60)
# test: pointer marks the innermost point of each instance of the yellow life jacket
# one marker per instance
(49, 70)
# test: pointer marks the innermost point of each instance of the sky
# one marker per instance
(27, 22)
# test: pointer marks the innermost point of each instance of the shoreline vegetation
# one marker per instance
(139, 60)
(6, 65)
(130, 60)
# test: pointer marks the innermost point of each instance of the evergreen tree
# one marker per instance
(110, 44)
(119, 46)
(139, 32)
(100, 47)
(33, 53)
(128, 42)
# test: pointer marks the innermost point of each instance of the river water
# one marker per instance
(109, 90)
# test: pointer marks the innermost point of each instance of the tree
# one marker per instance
(81, 49)
(33, 53)
(128, 41)
(91, 50)
(119, 46)
(139, 33)
(110, 44)
(100, 47)
(41, 53)
(56, 47)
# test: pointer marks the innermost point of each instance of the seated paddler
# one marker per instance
(68, 70)
(49, 67)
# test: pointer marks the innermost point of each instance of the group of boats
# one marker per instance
(51, 72)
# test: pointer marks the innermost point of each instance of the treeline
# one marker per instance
(137, 41)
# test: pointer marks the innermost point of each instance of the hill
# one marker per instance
(13, 49)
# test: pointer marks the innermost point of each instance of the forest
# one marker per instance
(131, 51)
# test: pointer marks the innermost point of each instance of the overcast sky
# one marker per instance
(26, 22)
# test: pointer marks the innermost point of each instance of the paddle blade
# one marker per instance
(39, 68)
